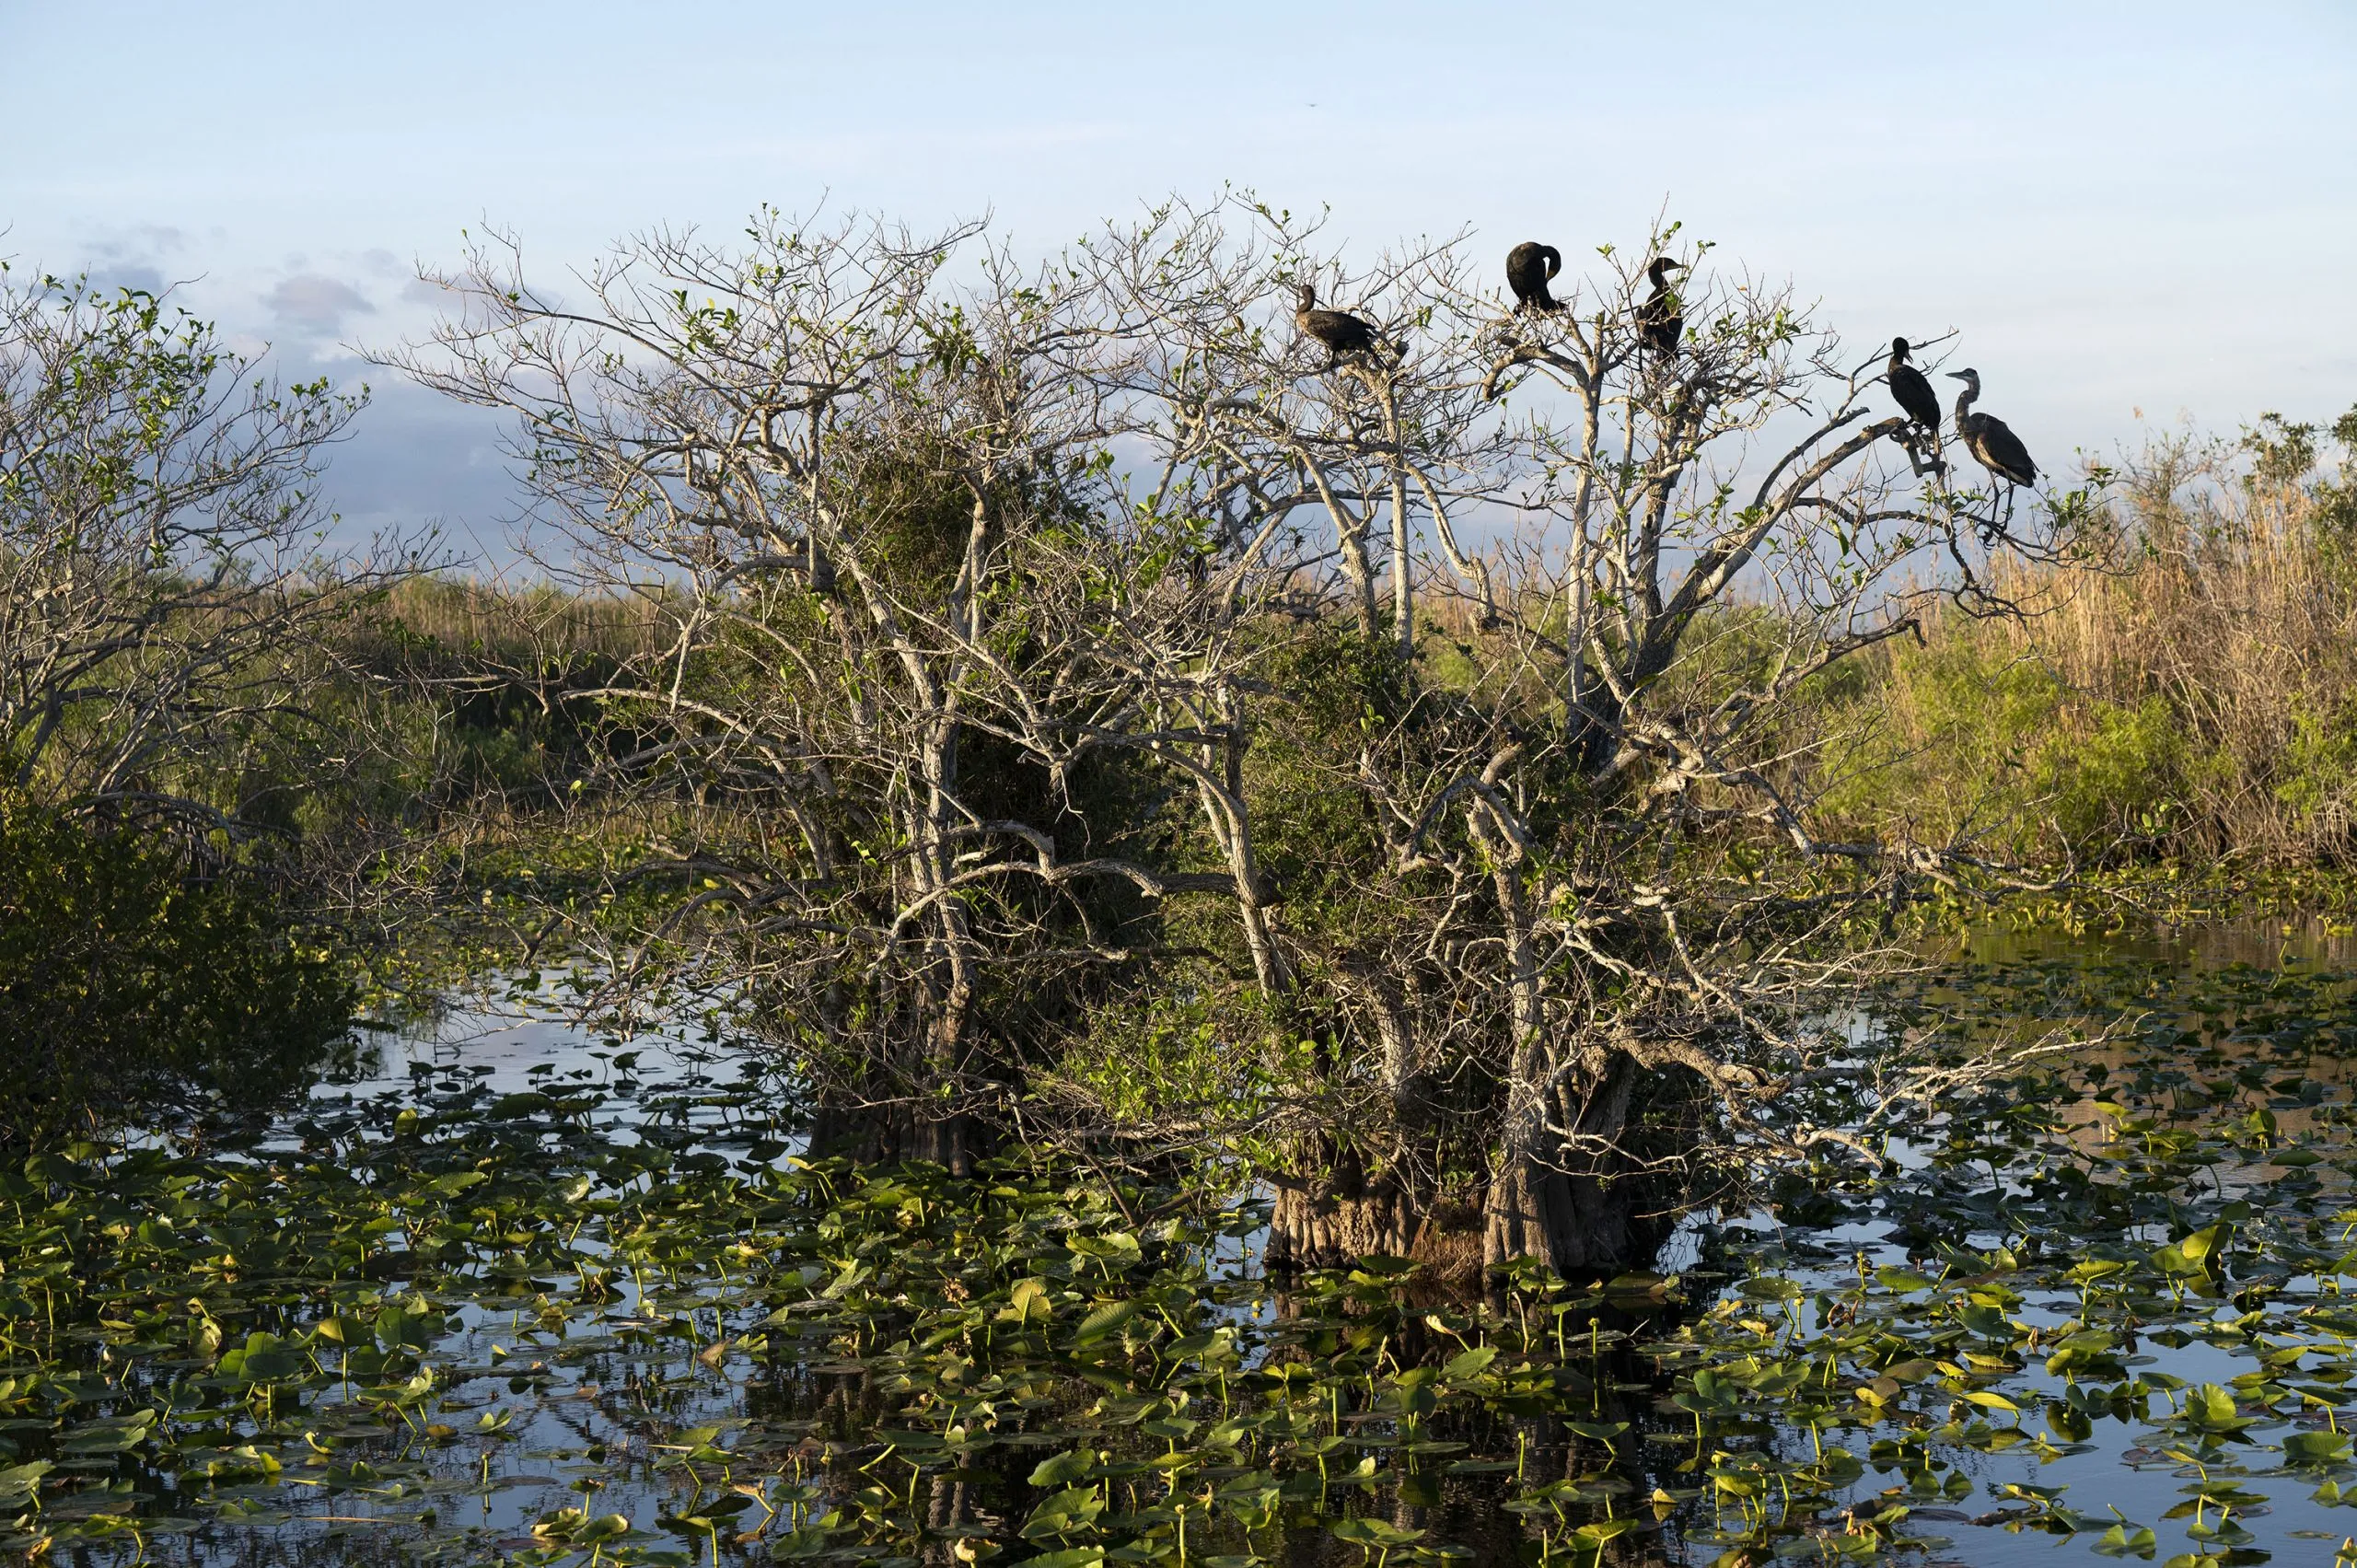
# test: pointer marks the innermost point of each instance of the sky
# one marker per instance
(2134, 214)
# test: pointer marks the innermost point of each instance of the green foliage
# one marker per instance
(127, 984)
(1319, 843)
(2117, 782)
(2180, 692)
(2318, 776)
(159, 507)
(1180, 1057)
(1995, 742)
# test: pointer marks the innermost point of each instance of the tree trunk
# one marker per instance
(1574, 1221)
(1574, 1210)
(1323, 1229)
(884, 1135)
(1337, 1215)
(1313, 1228)
(949, 1141)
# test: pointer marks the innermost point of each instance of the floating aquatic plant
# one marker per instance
(608, 1320)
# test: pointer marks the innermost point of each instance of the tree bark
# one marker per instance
(1323, 1229)
(1578, 1211)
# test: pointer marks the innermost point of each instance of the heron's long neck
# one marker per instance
(1964, 401)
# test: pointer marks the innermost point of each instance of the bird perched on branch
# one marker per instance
(1341, 331)
(1530, 265)
(1660, 321)
(1987, 438)
(1911, 389)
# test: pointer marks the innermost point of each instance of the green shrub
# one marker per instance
(128, 986)
(2316, 777)
(1987, 738)
(2116, 781)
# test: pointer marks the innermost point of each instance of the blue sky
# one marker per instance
(2122, 206)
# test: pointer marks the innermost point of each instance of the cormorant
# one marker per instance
(1341, 331)
(1987, 437)
(1660, 322)
(1911, 389)
(1528, 266)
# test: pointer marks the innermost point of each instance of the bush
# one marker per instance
(129, 986)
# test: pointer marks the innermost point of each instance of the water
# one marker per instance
(582, 1305)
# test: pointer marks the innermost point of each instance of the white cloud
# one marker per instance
(315, 303)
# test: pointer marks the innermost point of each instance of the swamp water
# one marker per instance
(533, 1301)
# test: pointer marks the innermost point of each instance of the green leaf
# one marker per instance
(1076, 1464)
(1104, 1319)
(2316, 1448)
(1029, 1303)
(2126, 1539)
(1469, 1363)
(19, 1484)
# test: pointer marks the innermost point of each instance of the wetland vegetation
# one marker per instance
(1149, 943)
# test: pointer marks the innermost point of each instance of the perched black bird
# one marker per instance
(1660, 321)
(1911, 389)
(1987, 437)
(1341, 331)
(1528, 267)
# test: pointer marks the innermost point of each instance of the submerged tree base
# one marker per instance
(1309, 1230)
(883, 1135)
(1574, 1225)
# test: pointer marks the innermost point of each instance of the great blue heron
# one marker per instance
(1528, 267)
(1660, 321)
(1341, 331)
(1987, 438)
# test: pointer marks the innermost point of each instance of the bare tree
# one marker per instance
(1592, 917)
(907, 616)
(1019, 620)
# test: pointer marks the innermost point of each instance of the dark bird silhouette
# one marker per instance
(1341, 331)
(1660, 321)
(1528, 267)
(1911, 389)
(1987, 438)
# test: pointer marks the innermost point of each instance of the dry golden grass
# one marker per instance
(2186, 685)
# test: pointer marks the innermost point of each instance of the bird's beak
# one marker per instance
(1958, 375)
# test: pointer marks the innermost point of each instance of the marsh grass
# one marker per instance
(2185, 687)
